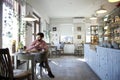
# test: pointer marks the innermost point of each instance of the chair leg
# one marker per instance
(29, 77)
(41, 65)
(41, 71)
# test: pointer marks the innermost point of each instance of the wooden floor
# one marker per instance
(69, 68)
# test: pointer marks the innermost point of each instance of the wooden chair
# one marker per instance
(78, 50)
(40, 60)
(53, 50)
(6, 70)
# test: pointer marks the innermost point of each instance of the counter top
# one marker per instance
(93, 47)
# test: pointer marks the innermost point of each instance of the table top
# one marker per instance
(28, 53)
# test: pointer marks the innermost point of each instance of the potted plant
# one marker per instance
(20, 46)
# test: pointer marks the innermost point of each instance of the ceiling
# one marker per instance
(70, 8)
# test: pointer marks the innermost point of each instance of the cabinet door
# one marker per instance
(103, 64)
(116, 66)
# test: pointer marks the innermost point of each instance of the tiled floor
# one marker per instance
(69, 68)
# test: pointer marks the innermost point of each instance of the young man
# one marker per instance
(40, 45)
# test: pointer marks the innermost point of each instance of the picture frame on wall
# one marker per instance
(78, 36)
(79, 28)
(54, 29)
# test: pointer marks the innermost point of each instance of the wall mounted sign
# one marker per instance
(54, 29)
(79, 28)
(78, 36)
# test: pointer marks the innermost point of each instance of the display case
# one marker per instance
(112, 26)
(94, 34)
(106, 31)
(115, 32)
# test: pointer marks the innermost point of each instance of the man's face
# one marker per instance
(39, 38)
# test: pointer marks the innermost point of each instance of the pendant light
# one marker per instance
(101, 10)
(29, 17)
(113, 1)
(93, 17)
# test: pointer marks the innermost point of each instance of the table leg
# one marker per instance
(33, 68)
(15, 62)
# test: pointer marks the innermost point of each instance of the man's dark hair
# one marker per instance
(40, 34)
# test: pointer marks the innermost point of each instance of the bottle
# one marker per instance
(14, 46)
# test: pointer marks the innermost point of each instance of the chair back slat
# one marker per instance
(6, 70)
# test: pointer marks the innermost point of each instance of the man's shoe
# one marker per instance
(50, 74)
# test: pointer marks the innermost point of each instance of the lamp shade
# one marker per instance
(101, 10)
(29, 17)
(113, 0)
(93, 17)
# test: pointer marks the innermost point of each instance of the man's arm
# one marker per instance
(32, 46)
(45, 47)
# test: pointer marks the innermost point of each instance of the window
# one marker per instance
(36, 25)
(9, 24)
(67, 39)
(12, 24)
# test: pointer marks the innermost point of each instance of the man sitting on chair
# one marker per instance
(41, 45)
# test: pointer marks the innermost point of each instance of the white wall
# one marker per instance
(28, 36)
(65, 26)
(1, 24)
(82, 32)
(88, 35)
(66, 29)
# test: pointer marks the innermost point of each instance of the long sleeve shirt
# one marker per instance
(38, 45)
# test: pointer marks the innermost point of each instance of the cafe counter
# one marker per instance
(105, 62)
(69, 48)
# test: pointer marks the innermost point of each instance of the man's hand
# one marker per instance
(27, 51)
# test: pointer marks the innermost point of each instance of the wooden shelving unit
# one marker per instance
(113, 23)
(94, 34)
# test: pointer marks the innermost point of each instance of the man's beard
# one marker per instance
(39, 40)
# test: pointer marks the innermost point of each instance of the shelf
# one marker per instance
(113, 24)
(94, 34)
